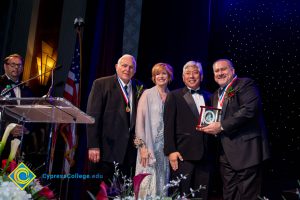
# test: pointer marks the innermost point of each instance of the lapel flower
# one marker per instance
(139, 90)
(230, 93)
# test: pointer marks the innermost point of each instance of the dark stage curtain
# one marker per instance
(102, 46)
(172, 32)
(102, 40)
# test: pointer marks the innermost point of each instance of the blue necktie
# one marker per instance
(126, 90)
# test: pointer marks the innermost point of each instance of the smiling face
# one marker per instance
(223, 72)
(161, 78)
(162, 74)
(13, 67)
(126, 68)
(191, 77)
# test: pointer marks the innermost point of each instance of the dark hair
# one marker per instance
(224, 60)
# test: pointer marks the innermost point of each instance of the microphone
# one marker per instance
(4, 91)
(9, 88)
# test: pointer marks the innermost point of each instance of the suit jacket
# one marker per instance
(25, 92)
(180, 120)
(5, 118)
(4, 82)
(111, 131)
(244, 139)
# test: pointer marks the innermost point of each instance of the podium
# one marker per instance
(43, 110)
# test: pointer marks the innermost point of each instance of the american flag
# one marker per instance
(71, 93)
(68, 131)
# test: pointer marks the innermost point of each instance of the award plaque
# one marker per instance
(208, 115)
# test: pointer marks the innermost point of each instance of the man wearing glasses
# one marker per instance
(13, 68)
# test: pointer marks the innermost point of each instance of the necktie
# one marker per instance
(220, 91)
(128, 105)
(127, 94)
(126, 90)
(12, 82)
(195, 91)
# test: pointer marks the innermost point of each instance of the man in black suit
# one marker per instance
(242, 133)
(113, 102)
(13, 68)
(187, 148)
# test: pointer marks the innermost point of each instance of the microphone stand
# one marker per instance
(49, 99)
(52, 127)
(51, 86)
(2, 95)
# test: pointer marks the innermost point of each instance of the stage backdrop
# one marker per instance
(261, 37)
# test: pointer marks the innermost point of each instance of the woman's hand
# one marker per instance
(144, 156)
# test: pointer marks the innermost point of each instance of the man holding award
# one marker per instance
(187, 148)
(242, 133)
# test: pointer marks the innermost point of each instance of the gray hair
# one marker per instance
(193, 64)
(127, 55)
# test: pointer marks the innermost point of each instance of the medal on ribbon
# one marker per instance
(125, 96)
(222, 96)
(127, 109)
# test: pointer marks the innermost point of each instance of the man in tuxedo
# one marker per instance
(113, 102)
(242, 133)
(13, 68)
(187, 148)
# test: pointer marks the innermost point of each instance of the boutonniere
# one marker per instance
(230, 93)
(139, 90)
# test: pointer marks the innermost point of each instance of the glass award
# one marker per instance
(208, 115)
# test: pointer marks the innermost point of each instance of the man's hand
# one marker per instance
(94, 155)
(173, 158)
(144, 155)
(18, 130)
(213, 128)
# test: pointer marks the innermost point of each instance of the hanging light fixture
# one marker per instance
(46, 62)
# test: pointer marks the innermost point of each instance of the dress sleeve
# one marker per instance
(140, 117)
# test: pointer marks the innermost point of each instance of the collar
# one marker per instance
(198, 88)
(122, 83)
(10, 80)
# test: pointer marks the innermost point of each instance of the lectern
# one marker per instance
(44, 110)
(47, 110)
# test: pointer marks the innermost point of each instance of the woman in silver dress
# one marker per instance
(149, 134)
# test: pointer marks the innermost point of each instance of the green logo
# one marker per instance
(22, 176)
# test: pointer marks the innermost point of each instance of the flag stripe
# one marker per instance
(71, 93)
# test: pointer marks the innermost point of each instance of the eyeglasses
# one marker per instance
(15, 65)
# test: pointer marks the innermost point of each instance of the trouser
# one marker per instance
(197, 173)
(242, 184)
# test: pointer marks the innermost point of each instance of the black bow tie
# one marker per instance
(195, 91)
(11, 82)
